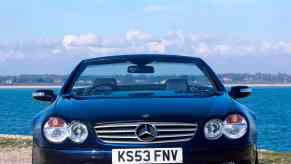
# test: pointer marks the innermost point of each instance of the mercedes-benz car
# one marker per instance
(144, 109)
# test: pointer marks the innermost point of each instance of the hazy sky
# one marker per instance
(51, 36)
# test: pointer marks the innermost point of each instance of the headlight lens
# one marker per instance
(55, 130)
(78, 132)
(235, 126)
(213, 129)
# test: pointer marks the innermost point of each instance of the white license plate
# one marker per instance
(147, 156)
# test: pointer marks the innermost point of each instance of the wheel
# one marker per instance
(257, 159)
(35, 154)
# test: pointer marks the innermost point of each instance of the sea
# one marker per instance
(272, 106)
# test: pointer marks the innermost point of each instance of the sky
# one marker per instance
(52, 36)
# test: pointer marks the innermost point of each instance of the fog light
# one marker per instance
(78, 132)
(213, 129)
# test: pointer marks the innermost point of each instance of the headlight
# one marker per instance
(78, 132)
(55, 130)
(235, 126)
(213, 129)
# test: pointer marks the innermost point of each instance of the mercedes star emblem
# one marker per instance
(146, 132)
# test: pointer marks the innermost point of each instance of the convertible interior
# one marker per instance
(109, 85)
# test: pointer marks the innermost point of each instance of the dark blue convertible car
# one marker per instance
(144, 109)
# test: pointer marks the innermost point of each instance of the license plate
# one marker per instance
(147, 156)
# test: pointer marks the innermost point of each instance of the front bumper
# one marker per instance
(231, 155)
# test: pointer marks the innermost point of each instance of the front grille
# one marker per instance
(166, 132)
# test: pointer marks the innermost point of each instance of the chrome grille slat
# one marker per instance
(175, 135)
(116, 137)
(125, 133)
(176, 130)
(115, 125)
(174, 124)
(139, 142)
(115, 131)
(134, 124)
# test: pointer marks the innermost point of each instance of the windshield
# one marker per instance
(156, 79)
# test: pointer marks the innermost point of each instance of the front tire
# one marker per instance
(35, 157)
(257, 159)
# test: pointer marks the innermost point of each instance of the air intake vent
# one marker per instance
(145, 132)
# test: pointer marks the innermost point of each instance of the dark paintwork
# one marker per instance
(94, 111)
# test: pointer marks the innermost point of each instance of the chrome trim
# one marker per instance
(125, 133)
(138, 123)
(153, 142)
(177, 130)
(116, 137)
(145, 130)
(114, 125)
(175, 135)
(38, 94)
(246, 90)
(115, 131)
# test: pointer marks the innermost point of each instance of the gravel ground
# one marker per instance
(23, 156)
(17, 150)
(15, 156)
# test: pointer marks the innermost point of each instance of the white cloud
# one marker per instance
(175, 38)
(202, 49)
(103, 50)
(138, 41)
(11, 55)
(137, 35)
(72, 48)
(158, 47)
(71, 41)
(289, 47)
(56, 51)
(230, 3)
(222, 48)
(155, 8)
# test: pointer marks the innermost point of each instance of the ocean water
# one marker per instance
(271, 105)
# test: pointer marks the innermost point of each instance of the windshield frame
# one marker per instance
(70, 82)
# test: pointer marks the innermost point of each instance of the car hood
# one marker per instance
(144, 109)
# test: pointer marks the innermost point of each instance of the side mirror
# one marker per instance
(44, 95)
(237, 92)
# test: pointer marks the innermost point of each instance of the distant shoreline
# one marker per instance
(261, 85)
(15, 136)
(30, 86)
(59, 86)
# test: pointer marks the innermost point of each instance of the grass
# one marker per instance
(15, 142)
(265, 157)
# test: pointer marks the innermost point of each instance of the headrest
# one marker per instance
(179, 85)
